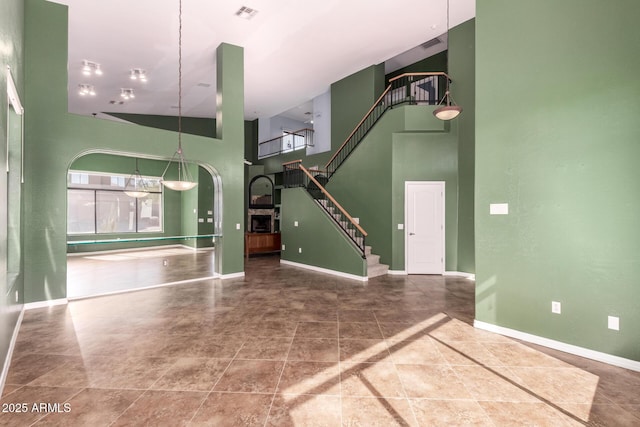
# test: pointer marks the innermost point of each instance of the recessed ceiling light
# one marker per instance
(246, 12)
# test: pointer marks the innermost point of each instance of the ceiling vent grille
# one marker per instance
(431, 43)
(246, 12)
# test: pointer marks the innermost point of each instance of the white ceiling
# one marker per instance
(293, 49)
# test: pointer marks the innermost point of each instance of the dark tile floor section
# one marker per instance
(285, 346)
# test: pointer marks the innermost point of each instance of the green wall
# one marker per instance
(407, 144)
(558, 139)
(322, 244)
(11, 194)
(54, 138)
(421, 156)
(192, 125)
(195, 126)
(462, 71)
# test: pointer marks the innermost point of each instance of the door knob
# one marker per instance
(412, 234)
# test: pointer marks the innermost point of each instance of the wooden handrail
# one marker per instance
(330, 197)
(439, 73)
(292, 161)
(358, 125)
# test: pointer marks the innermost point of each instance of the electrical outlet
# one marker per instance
(614, 323)
(556, 307)
(165, 262)
(17, 296)
(295, 223)
(237, 226)
(299, 250)
(283, 247)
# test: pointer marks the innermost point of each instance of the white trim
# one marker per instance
(44, 304)
(325, 270)
(397, 272)
(232, 275)
(162, 285)
(12, 344)
(469, 276)
(558, 345)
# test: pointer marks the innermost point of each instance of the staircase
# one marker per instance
(412, 88)
(374, 268)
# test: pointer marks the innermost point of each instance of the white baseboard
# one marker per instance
(397, 272)
(44, 304)
(469, 276)
(232, 275)
(558, 345)
(325, 270)
(12, 344)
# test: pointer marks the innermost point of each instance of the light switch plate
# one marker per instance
(295, 223)
(613, 323)
(400, 226)
(499, 209)
(237, 226)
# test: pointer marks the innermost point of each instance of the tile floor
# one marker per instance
(289, 347)
(105, 273)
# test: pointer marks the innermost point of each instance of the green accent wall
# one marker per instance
(407, 144)
(192, 125)
(54, 138)
(11, 194)
(422, 156)
(463, 89)
(322, 244)
(558, 139)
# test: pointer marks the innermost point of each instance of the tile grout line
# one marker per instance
(217, 381)
(339, 363)
(395, 368)
(284, 365)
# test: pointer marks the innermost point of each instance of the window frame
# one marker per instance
(85, 186)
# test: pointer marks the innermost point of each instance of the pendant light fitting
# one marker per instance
(448, 109)
(139, 188)
(184, 181)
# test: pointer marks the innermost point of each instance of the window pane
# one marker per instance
(115, 212)
(80, 212)
(299, 142)
(287, 142)
(150, 213)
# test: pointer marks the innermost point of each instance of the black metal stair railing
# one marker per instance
(296, 175)
(287, 142)
(409, 88)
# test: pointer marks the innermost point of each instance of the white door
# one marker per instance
(424, 226)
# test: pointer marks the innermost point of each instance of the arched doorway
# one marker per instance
(116, 242)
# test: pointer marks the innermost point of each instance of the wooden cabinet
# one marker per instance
(261, 242)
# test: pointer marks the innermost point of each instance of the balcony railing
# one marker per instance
(288, 142)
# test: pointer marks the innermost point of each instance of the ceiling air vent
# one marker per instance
(246, 12)
(431, 43)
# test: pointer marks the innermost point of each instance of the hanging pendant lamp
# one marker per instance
(448, 109)
(184, 181)
(136, 185)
